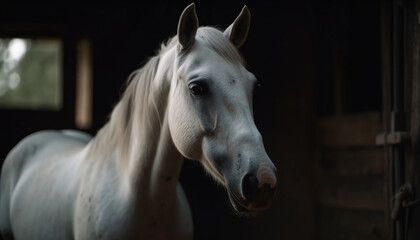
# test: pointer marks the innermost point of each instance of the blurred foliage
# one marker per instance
(33, 79)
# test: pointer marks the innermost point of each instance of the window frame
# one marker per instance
(46, 118)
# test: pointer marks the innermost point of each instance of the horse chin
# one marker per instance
(246, 209)
(239, 210)
(239, 207)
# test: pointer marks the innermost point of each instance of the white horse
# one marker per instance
(193, 100)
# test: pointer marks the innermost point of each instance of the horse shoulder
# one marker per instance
(184, 224)
(101, 209)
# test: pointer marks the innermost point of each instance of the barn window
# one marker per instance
(30, 73)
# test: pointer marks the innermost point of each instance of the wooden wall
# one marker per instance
(351, 175)
(351, 198)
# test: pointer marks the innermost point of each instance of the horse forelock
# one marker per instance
(215, 40)
(219, 43)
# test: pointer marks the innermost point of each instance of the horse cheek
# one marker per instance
(185, 130)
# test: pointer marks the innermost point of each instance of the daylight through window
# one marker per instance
(30, 74)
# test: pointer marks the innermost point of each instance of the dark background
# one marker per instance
(294, 48)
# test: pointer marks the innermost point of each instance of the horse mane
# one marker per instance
(121, 121)
(133, 109)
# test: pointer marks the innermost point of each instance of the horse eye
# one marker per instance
(198, 88)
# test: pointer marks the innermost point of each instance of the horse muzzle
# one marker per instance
(257, 190)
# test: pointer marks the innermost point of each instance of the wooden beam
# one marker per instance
(338, 223)
(355, 192)
(352, 161)
(350, 130)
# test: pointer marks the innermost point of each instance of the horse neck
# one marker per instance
(154, 162)
(148, 161)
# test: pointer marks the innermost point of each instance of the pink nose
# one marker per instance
(265, 175)
(258, 189)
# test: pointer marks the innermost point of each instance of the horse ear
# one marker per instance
(238, 30)
(187, 26)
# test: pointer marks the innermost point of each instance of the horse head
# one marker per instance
(210, 110)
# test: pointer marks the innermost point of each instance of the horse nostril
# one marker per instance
(250, 187)
(268, 192)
